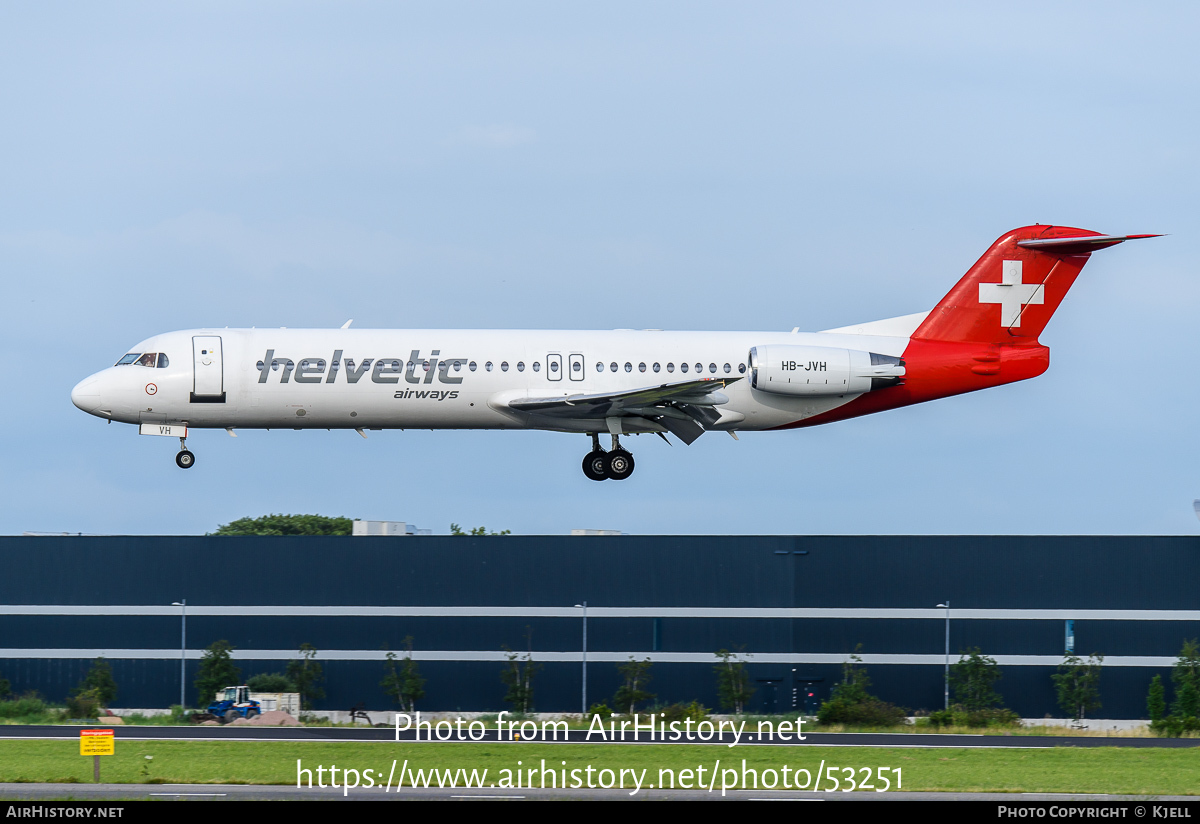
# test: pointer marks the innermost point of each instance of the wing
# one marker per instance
(684, 409)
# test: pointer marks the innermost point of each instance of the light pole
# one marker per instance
(583, 606)
(946, 606)
(182, 649)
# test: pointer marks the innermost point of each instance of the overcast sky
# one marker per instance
(561, 165)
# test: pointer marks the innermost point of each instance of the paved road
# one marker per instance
(249, 733)
(242, 792)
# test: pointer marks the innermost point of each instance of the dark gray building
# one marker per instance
(797, 606)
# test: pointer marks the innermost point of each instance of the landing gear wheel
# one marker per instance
(185, 459)
(618, 465)
(593, 466)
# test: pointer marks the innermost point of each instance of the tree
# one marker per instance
(5, 688)
(973, 679)
(1185, 678)
(288, 525)
(100, 682)
(404, 682)
(1078, 684)
(455, 529)
(1185, 709)
(216, 672)
(270, 682)
(307, 675)
(631, 693)
(733, 682)
(1156, 702)
(518, 677)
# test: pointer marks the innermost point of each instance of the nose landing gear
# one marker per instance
(185, 459)
(616, 465)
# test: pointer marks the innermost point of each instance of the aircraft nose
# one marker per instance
(86, 394)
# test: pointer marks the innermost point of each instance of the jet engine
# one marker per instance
(822, 370)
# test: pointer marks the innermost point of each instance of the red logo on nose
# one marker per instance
(151, 389)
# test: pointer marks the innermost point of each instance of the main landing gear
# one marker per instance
(616, 465)
(185, 459)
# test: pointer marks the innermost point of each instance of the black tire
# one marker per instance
(230, 714)
(251, 713)
(185, 460)
(594, 466)
(618, 465)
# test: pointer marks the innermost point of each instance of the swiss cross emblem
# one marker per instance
(1012, 295)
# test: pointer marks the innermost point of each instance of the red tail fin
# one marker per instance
(1010, 294)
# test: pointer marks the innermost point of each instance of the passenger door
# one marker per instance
(208, 361)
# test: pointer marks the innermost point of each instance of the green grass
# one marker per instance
(1148, 771)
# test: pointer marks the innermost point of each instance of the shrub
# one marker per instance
(601, 710)
(869, 713)
(694, 710)
(270, 682)
(960, 716)
(851, 703)
(30, 704)
(84, 704)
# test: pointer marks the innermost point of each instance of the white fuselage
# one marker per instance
(379, 378)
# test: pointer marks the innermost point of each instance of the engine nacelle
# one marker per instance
(822, 370)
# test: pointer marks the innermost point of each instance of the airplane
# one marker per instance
(983, 333)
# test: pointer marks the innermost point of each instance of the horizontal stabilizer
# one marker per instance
(1077, 245)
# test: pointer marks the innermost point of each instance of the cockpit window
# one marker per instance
(149, 359)
(128, 359)
(163, 363)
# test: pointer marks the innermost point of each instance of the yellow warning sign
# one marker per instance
(96, 742)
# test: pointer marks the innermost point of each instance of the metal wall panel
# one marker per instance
(534, 581)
